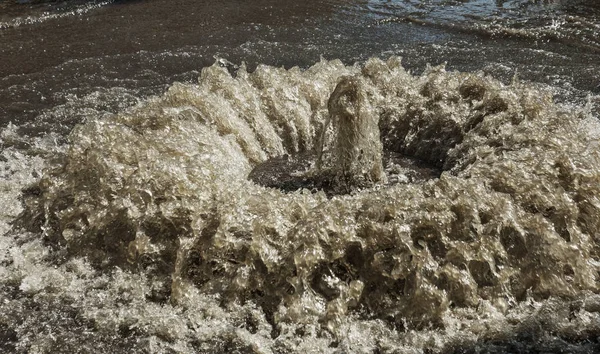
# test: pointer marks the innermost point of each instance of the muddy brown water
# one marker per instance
(155, 196)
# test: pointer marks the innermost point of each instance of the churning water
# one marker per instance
(160, 195)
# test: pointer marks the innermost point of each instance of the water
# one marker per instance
(182, 176)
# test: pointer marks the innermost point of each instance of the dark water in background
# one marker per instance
(502, 252)
(52, 52)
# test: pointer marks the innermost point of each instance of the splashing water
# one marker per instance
(154, 225)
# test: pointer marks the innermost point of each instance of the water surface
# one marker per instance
(162, 173)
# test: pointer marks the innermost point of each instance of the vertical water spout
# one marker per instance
(355, 159)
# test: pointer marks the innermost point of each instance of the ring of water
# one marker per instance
(164, 189)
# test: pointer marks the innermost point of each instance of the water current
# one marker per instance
(320, 176)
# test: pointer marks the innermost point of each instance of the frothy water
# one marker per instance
(147, 231)
(381, 207)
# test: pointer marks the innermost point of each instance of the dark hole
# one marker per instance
(289, 173)
(513, 242)
(251, 325)
(482, 273)
(568, 270)
(472, 91)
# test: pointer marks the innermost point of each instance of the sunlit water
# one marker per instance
(179, 176)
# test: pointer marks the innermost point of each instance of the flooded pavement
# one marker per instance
(320, 176)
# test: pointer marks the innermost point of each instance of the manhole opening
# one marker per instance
(292, 173)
